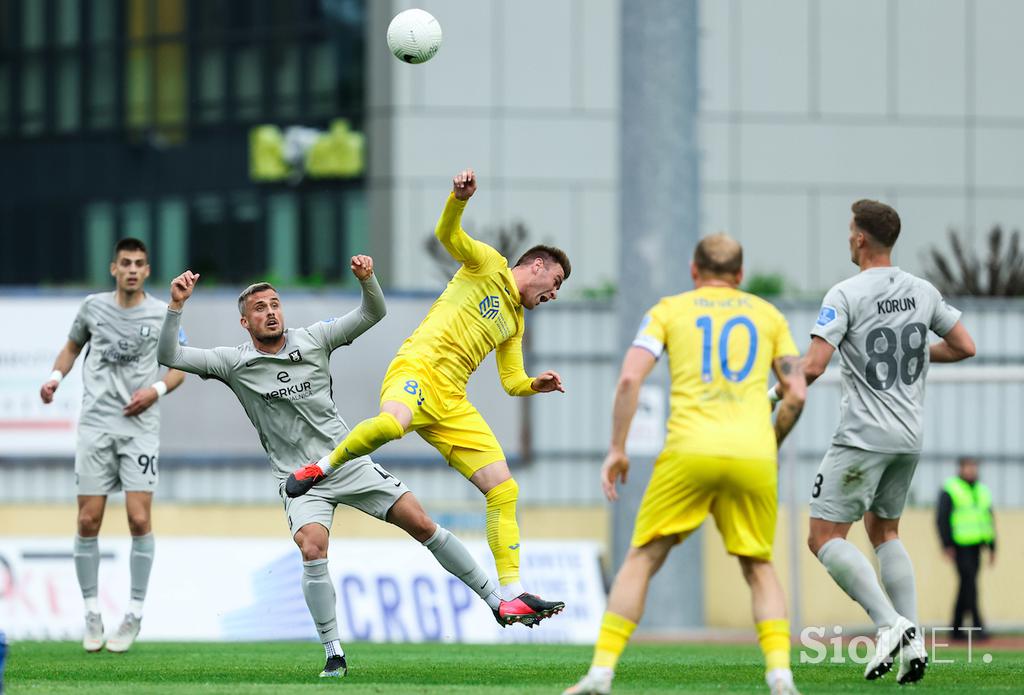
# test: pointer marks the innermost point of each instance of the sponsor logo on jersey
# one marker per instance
(283, 377)
(294, 392)
(295, 356)
(489, 306)
(145, 331)
(827, 315)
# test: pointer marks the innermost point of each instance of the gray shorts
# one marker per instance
(360, 483)
(852, 481)
(106, 463)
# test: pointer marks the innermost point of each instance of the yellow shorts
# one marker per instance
(740, 493)
(442, 416)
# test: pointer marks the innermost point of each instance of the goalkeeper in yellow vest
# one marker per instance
(720, 455)
(425, 387)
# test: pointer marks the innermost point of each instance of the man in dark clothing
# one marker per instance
(966, 525)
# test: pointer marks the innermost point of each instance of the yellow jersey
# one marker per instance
(478, 312)
(721, 343)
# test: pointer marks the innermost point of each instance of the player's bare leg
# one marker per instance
(501, 492)
(87, 566)
(769, 608)
(391, 423)
(408, 514)
(855, 575)
(313, 540)
(897, 573)
(139, 506)
(625, 608)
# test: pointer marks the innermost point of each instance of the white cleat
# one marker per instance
(781, 687)
(93, 640)
(913, 662)
(125, 636)
(887, 642)
(592, 684)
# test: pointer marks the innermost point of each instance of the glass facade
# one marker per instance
(132, 118)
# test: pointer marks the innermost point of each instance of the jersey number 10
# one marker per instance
(705, 325)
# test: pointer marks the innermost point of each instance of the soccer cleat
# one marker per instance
(527, 609)
(497, 616)
(336, 667)
(302, 481)
(125, 636)
(592, 684)
(93, 640)
(887, 642)
(913, 662)
(781, 687)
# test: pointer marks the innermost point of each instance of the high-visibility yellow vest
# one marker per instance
(971, 519)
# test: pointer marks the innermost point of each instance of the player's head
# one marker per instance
(540, 273)
(130, 266)
(718, 257)
(967, 468)
(261, 311)
(874, 228)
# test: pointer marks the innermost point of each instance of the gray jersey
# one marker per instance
(119, 360)
(879, 321)
(287, 395)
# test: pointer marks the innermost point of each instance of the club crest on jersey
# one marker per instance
(144, 331)
(826, 316)
(295, 356)
(489, 306)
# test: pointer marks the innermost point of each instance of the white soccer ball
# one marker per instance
(414, 36)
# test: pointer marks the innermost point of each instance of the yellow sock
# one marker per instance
(774, 638)
(366, 437)
(503, 530)
(615, 633)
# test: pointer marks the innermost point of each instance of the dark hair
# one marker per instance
(130, 243)
(718, 254)
(877, 219)
(250, 291)
(549, 254)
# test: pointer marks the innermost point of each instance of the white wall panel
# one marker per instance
(558, 148)
(997, 68)
(930, 57)
(853, 73)
(536, 58)
(774, 234)
(1000, 154)
(773, 55)
(598, 46)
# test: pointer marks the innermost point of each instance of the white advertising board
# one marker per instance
(250, 589)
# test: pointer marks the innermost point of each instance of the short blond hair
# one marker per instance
(718, 254)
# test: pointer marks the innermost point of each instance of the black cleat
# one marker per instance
(302, 481)
(336, 667)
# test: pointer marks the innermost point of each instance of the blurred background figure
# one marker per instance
(966, 525)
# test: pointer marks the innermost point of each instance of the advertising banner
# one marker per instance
(250, 589)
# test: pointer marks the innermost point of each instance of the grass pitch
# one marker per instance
(291, 667)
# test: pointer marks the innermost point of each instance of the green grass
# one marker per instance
(290, 667)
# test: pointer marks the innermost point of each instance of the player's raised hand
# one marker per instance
(464, 184)
(362, 267)
(547, 382)
(140, 402)
(614, 468)
(181, 288)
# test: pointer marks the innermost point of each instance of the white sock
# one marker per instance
(135, 608)
(511, 591)
(601, 672)
(333, 648)
(898, 577)
(779, 674)
(855, 575)
(92, 604)
(324, 465)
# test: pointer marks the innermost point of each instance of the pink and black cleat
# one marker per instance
(527, 609)
(302, 481)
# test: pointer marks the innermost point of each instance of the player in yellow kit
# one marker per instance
(720, 453)
(425, 387)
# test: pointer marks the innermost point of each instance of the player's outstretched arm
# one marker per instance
(61, 366)
(170, 352)
(449, 231)
(356, 322)
(955, 346)
(793, 389)
(636, 366)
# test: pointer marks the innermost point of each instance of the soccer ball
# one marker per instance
(414, 36)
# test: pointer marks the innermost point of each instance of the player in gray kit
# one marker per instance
(879, 321)
(119, 429)
(282, 379)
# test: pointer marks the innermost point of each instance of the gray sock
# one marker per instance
(140, 562)
(898, 578)
(453, 556)
(87, 565)
(318, 589)
(855, 575)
